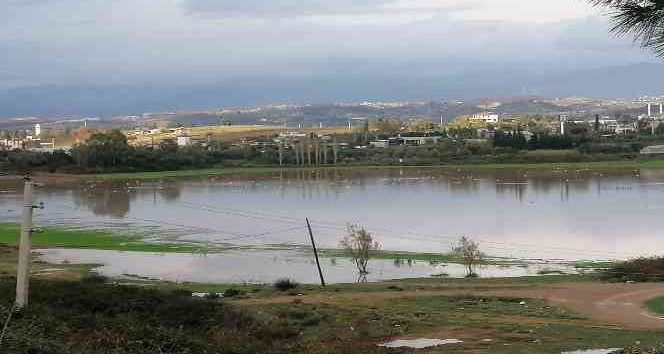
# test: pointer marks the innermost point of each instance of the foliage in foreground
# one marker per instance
(89, 317)
(641, 18)
(640, 270)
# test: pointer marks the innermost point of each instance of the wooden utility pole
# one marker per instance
(23, 273)
(313, 244)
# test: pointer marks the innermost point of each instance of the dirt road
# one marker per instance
(609, 304)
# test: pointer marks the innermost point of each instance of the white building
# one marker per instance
(380, 143)
(419, 140)
(184, 141)
(37, 130)
(485, 117)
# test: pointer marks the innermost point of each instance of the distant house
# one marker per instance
(626, 127)
(184, 141)
(176, 131)
(419, 140)
(485, 117)
(380, 143)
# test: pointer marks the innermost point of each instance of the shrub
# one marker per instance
(212, 296)
(233, 292)
(640, 270)
(94, 278)
(285, 284)
(470, 254)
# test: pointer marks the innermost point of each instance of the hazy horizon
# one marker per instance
(100, 57)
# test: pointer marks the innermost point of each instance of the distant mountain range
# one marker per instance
(608, 82)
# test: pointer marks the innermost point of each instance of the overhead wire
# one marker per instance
(519, 247)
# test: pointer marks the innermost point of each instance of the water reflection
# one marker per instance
(112, 199)
(530, 213)
(262, 267)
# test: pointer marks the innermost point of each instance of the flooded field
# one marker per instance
(537, 215)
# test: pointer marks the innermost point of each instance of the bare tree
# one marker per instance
(470, 253)
(335, 149)
(325, 153)
(359, 243)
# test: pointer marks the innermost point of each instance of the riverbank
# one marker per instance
(599, 165)
(545, 314)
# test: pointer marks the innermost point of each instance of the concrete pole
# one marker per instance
(23, 273)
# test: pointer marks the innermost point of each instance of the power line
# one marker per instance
(422, 237)
(233, 235)
(514, 247)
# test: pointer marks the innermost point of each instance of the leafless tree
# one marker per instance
(470, 253)
(359, 243)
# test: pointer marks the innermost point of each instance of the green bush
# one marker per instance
(639, 270)
(95, 278)
(233, 293)
(285, 284)
(212, 296)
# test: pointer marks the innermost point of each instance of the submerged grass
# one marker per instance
(432, 258)
(58, 236)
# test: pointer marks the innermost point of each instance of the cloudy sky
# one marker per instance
(196, 43)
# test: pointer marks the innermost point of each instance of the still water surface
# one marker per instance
(554, 214)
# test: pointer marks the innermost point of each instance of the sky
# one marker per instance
(65, 44)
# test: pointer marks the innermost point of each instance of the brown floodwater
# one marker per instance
(552, 214)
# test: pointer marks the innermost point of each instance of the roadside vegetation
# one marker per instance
(644, 269)
(93, 317)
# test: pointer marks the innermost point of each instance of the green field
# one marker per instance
(656, 305)
(601, 165)
(57, 236)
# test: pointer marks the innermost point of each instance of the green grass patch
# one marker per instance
(58, 236)
(656, 305)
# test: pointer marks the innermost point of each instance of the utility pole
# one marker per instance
(23, 273)
(313, 244)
